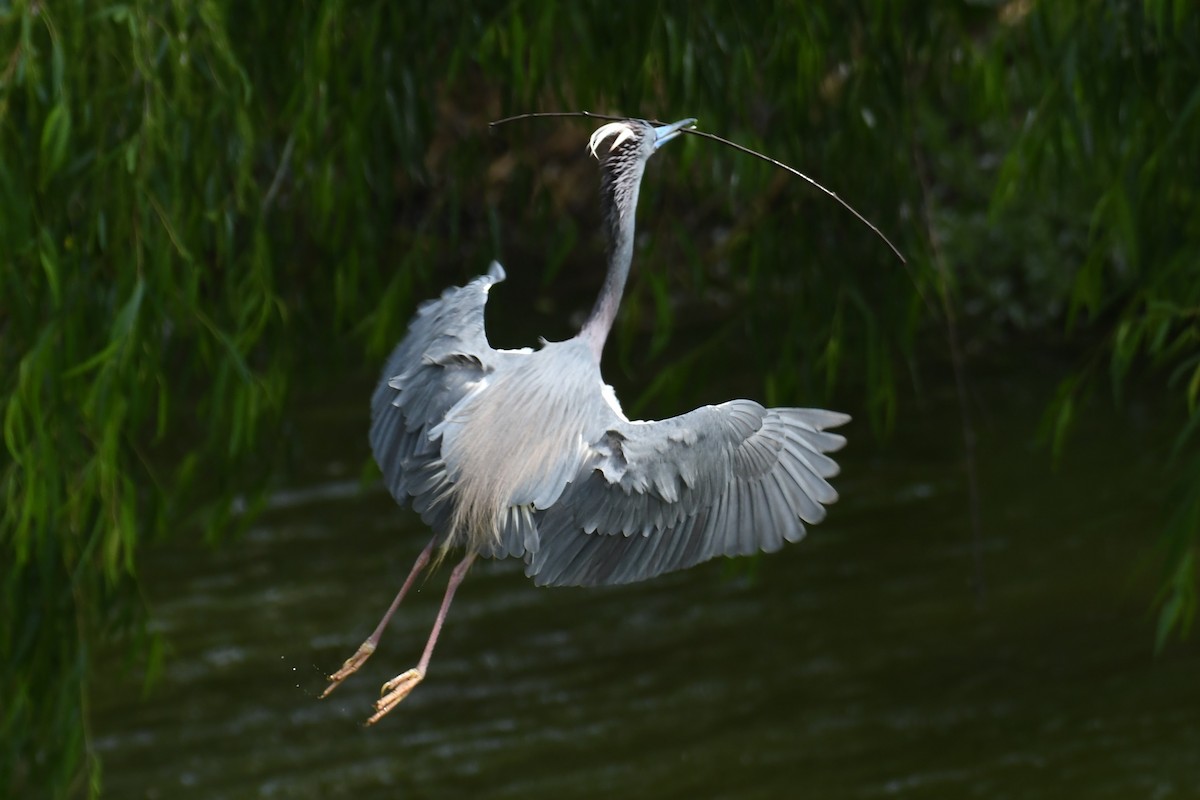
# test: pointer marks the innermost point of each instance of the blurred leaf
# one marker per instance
(56, 133)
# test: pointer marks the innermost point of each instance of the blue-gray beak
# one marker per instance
(665, 133)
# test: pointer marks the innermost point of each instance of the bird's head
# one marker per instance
(631, 142)
(634, 138)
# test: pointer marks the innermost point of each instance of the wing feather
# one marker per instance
(444, 357)
(659, 496)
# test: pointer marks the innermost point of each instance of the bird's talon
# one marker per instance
(350, 667)
(394, 691)
(414, 676)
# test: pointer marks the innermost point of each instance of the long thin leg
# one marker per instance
(368, 647)
(399, 687)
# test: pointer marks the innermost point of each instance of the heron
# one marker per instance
(527, 454)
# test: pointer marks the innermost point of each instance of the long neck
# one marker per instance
(618, 199)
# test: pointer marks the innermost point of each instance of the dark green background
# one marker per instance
(205, 206)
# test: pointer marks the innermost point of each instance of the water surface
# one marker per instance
(856, 664)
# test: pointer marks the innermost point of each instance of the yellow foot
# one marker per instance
(350, 667)
(394, 691)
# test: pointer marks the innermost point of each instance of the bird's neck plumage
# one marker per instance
(619, 185)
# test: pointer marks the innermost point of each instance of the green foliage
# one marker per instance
(1110, 135)
(131, 309)
(202, 203)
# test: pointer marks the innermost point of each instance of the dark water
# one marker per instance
(855, 664)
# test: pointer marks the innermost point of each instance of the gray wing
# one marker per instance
(731, 479)
(443, 355)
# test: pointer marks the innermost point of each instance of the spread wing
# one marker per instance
(443, 356)
(726, 480)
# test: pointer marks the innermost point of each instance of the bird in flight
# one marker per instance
(527, 454)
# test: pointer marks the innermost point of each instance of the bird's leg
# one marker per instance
(366, 648)
(399, 687)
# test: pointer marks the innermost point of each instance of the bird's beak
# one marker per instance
(665, 133)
